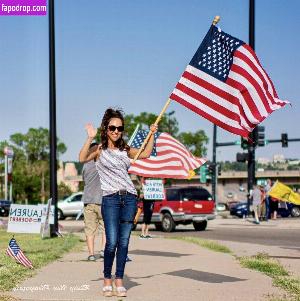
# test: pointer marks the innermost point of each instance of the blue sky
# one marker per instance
(131, 54)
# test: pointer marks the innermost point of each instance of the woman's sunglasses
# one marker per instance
(120, 129)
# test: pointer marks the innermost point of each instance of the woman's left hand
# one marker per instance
(153, 128)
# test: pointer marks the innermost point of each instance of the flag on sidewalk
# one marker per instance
(13, 250)
(284, 193)
(169, 158)
(226, 84)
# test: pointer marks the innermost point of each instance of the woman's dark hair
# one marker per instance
(108, 115)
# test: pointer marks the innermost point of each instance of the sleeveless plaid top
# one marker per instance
(112, 167)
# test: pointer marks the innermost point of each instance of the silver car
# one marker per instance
(70, 206)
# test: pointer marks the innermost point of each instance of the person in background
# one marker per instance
(273, 208)
(267, 199)
(262, 203)
(256, 203)
(148, 211)
(92, 199)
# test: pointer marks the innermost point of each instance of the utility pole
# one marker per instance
(52, 117)
(251, 146)
(214, 162)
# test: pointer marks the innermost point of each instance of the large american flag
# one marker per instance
(169, 158)
(226, 84)
(15, 252)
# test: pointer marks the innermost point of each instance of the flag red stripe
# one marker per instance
(221, 93)
(218, 122)
(254, 83)
(258, 73)
(161, 175)
(172, 158)
(174, 149)
(257, 61)
(246, 96)
(25, 261)
(208, 102)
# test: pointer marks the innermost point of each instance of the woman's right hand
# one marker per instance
(91, 131)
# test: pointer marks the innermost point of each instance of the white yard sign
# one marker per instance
(153, 189)
(27, 218)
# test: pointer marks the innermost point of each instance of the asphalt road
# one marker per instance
(268, 237)
(283, 232)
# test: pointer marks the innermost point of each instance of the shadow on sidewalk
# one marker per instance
(204, 276)
(157, 253)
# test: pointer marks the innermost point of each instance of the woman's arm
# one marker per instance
(148, 148)
(86, 153)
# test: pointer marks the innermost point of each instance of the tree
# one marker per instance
(167, 123)
(195, 142)
(31, 163)
(63, 191)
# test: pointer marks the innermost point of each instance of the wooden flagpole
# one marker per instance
(150, 133)
(215, 21)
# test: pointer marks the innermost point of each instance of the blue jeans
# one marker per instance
(118, 212)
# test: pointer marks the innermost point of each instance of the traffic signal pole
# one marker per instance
(251, 146)
(214, 162)
(52, 117)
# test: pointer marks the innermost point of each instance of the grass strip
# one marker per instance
(207, 244)
(39, 251)
(281, 277)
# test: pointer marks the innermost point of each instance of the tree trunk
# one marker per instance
(43, 187)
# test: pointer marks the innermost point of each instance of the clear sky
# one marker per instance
(131, 54)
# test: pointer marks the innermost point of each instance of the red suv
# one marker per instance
(183, 205)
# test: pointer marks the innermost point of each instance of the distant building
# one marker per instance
(279, 158)
(68, 174)
(293, 162)
(264, 161)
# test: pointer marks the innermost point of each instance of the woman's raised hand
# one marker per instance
(91, 131)
(153, 128)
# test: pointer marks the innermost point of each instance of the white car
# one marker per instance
(70, 206)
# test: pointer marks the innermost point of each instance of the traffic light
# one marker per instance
(260, 141)
(258, 136)
(242, 157)
(244, 143)
(210, 169)
(219, 169)
(284, 140)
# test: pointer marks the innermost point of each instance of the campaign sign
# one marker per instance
(26, 218)
(153, 189)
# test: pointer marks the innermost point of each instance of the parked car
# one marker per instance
(242, 188)
(221, 207)
(4, 207)
(70, 206)
(239, 209)
(230, 195)
(183, 205)
(295, 210)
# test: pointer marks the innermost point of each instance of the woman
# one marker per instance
(119, 202)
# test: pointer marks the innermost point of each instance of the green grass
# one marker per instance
(262, 263)
(280, 276)
(39, 251)
(208, 244)
(290, 285)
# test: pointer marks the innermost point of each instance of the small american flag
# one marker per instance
(169, 158)
(13, 250)
(226, 84)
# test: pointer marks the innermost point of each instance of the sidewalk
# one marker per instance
(162, 269)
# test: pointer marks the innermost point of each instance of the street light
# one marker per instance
(169, 124)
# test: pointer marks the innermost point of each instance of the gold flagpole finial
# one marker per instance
(216, 20)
